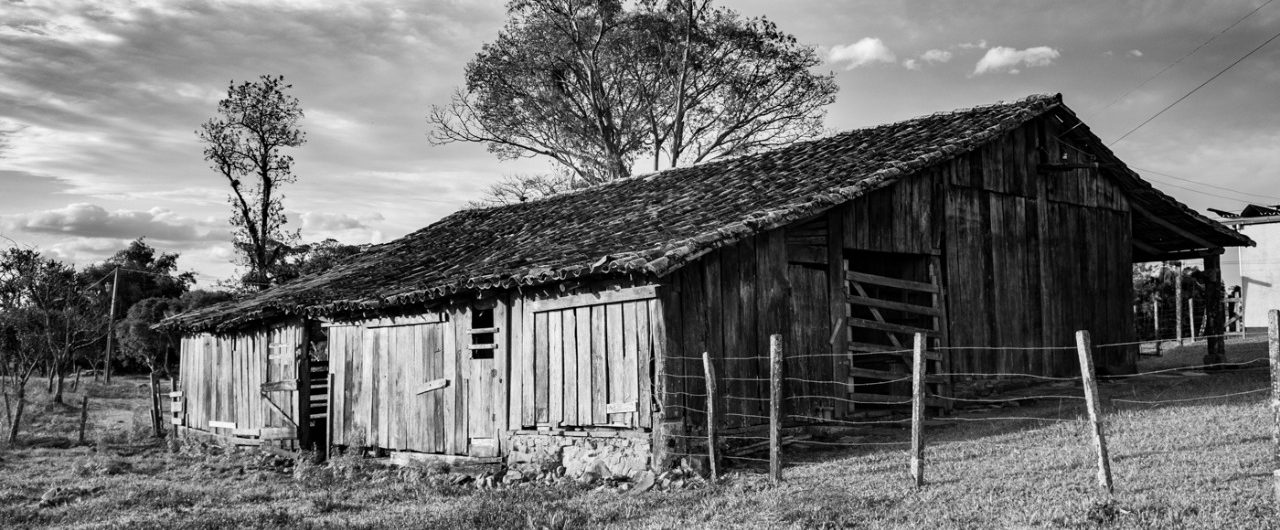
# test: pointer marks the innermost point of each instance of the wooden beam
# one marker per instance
(606, 296)
(892, 282)
(1182, 254)
(280, 386)
(885, 326)
(1170, 226)
(283, 414)
(899, 306)
(434, 384)
(620, 408)
(1215, 315)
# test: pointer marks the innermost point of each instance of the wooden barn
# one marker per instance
(571, 327)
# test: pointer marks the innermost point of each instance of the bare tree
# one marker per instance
(515, 189)
(245, 141)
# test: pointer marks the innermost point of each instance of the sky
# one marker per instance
(99, 102)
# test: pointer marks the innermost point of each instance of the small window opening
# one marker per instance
(483, 334)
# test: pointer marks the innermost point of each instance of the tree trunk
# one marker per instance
(17, 418)
(8, 412)
(52, 370)
(57, 395)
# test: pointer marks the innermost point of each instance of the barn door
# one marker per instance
(483, 380)
(280, 391)
(891, 298)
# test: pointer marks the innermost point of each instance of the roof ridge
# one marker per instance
(799, 144)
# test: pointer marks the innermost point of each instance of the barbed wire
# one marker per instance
(849, 400)
(1183, 368)
(849, 422)
(1003, 374)
(1181, 400)
(1001, 400)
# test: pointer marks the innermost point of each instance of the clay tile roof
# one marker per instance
(646, 225)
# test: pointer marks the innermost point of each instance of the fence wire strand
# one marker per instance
(1182, 400)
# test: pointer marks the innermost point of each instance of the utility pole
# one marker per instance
(111, 320)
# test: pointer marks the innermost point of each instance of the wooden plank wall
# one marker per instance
(377, 372)
(727, 304)
(1033, 256)
(221, 377)
(579, 358)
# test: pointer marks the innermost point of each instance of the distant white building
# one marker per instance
(1255, 269)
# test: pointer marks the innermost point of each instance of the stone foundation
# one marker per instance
(607, 453)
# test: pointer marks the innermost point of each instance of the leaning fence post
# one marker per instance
(1273, 350)
(917, 410)
(84, 416)
(1084, 346)
(711, 413)
(775, 408)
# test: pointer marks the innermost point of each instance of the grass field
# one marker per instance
(1194, 464)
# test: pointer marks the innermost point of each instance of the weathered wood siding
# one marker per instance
(377, 373)
(584, 355)
(221, 378)
(727, 304)
(1032, 256)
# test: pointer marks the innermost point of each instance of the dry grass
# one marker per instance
(1182, 465)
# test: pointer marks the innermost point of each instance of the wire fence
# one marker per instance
(814, 418)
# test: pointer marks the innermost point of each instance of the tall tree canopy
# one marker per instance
(146, 273)
(597, 86)
(245, 141)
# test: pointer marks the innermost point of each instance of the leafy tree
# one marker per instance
(246, 142)
(145, 273)
(1156, 283)
(596, 86)
(154, 348)
(51, 313)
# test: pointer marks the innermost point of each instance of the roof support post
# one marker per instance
(1215, 318)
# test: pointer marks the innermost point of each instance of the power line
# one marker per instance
(1189, 54)
(1194, 90)
(1193, 190)
(1255, 195)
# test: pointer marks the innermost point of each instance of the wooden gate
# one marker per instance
(886, 308)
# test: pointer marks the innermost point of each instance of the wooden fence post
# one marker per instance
(1155, 318)
(84, 416)
(1273, 349)
(711, 413)
(328, 420)
(155, 404)
(1084, 346)
(917, 410)
(775, 408)
(1191, 315)
(1177, 301)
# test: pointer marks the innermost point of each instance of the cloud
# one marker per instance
(1135, 53)
(866, 51)
(85, 220)
(932, 56)
(1003, 58)
(332, 222)
(982, 44)
(936, 56)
